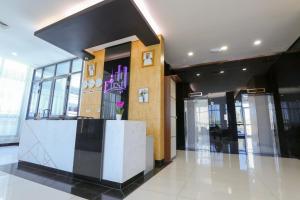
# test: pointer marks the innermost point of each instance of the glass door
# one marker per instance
(260, 124)
(197, 124)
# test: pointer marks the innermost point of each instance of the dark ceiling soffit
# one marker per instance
(102, 23)
(295, 47)
(222, 63)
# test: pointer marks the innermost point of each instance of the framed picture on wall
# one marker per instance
(144, 95)
(91, 69)
(148, 58)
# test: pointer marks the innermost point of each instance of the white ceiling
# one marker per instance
(24, 17)
(187, 25)
(200, 25)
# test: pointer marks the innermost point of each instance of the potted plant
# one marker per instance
(119, 109)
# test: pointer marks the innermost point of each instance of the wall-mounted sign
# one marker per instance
(117, 81)
(91, 83)
(144, 95)
(91, 69)
(148, 58)
(98, 83)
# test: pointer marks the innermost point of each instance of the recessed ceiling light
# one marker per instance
(219, 49)
(224, 48)
(14, 53)
(245, 69)
(257, 42)
(198, 74)
(222, 72)
(190, 53)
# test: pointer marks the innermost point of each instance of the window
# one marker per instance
(74, 93)
(59, 97)
(13, 76)
(214, 115)
(55, 90)
(45, 97)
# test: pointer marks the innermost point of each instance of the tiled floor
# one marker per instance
(205, 175)
(63, 186)
(8, 155)
(191, 176)
(15, 188)
(70, 185)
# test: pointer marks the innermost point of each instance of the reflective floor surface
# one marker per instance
(8, 155)
(205, 175)
(191, 176)
(19, 181)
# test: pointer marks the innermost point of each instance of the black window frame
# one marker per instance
(53, 80)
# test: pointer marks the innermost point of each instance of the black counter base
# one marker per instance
(122, 185)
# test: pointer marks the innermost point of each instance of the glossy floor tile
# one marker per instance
(77, 188)
(206, 175)
(15, 188)
(8, 154)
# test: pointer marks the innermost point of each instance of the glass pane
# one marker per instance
(49, 71)
(38, 74)
(59, 97)
(63, 68)
(45, 98)
(74, 92)
(77, 65)
(13, 81)
(34, 99)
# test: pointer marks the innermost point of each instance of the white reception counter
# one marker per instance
(124, 150)
(52, 143)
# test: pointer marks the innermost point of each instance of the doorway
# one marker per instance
(207, 125)
(257, 128)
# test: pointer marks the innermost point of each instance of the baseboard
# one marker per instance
(122, 185)
(81, 177)
(159, 163)
(9, 144)
(41, 167)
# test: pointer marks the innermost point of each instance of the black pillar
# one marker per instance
(232, 125)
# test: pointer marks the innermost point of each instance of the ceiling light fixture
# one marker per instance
(190, 53)
(14, 53)
(222, 72)
(257, 42)
(219, 49)
(245, 69)
(224, 48)
(198, 74)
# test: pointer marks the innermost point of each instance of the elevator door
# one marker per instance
(260, 123)
(197, 124)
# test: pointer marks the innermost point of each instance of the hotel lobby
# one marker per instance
(145, 100)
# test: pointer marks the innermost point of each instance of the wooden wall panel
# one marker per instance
(90, 103)
(151, 77)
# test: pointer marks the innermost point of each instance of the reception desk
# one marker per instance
(110, 151)
(124, 150)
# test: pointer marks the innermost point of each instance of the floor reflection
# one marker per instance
(210, 175)
(13, 177)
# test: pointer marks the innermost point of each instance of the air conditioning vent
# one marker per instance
(3, 26)
(195, 94)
